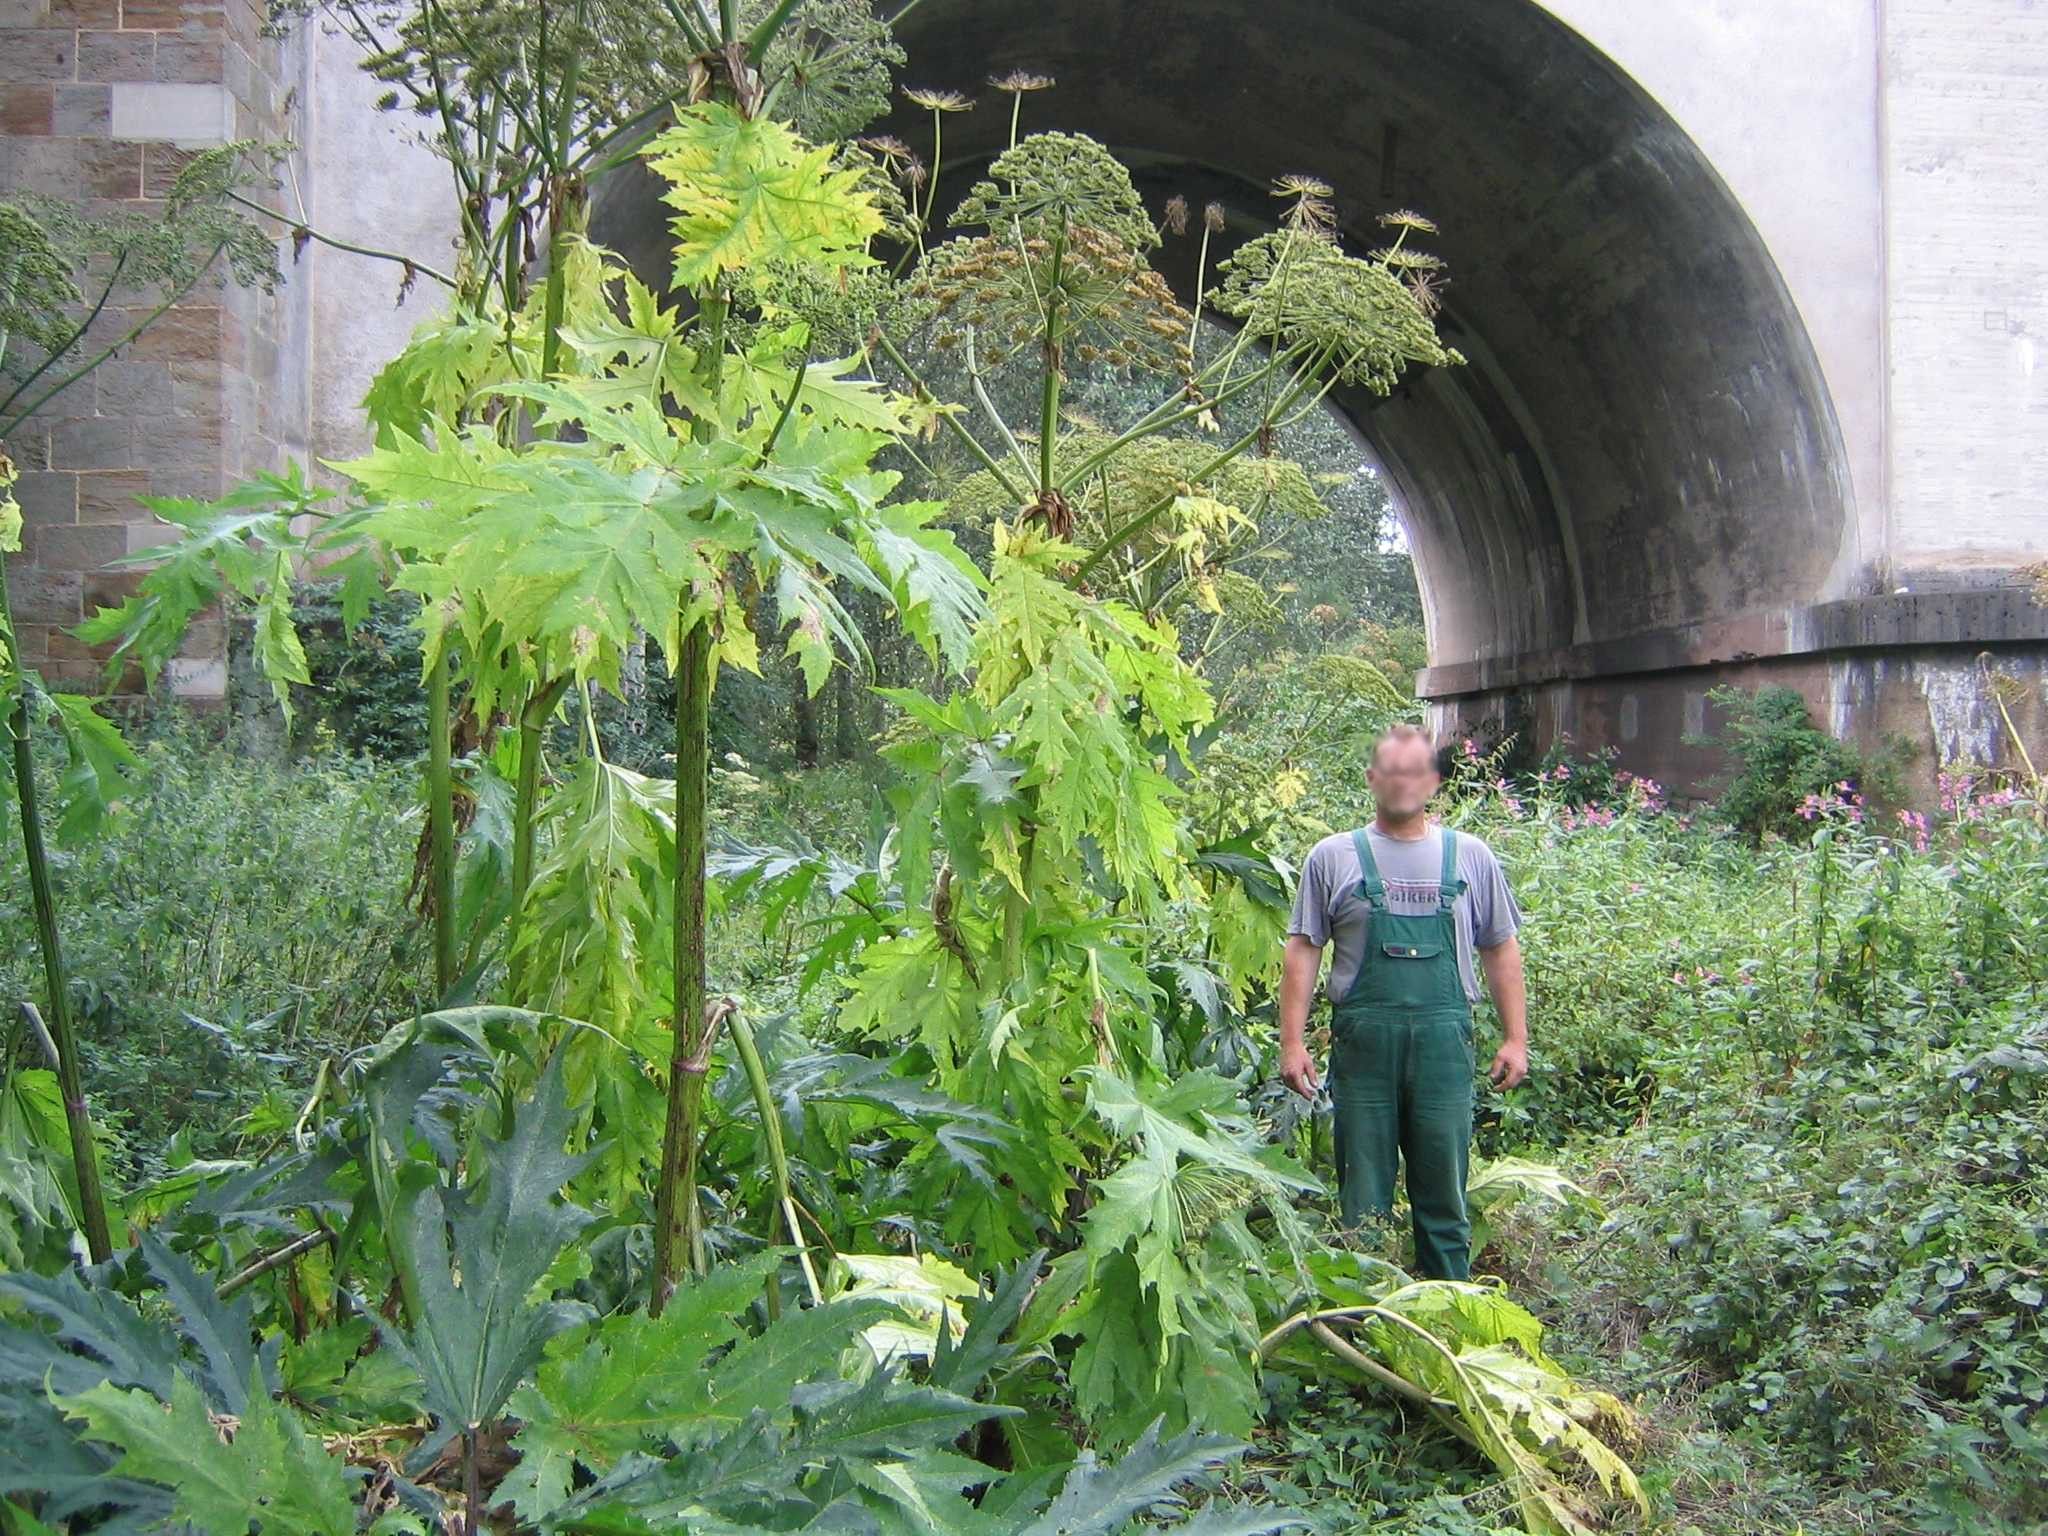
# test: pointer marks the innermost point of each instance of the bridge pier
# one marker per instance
(1907, 674)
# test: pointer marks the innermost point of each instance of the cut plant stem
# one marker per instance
(92, 1209)
(265, 1263)
(1357, 1360)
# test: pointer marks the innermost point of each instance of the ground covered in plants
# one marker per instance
(1792, 1096)
(716, 972)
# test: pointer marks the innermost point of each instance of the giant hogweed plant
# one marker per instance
(702, 478)
(1024, 934)
(527, 104)
(1164, 518)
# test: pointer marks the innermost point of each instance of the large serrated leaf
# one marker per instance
(1097, 1500)
(751, 193)
(129, 1349)
(270, 1477)
(475, 1334)
(626, 1384)
(223, 1331)
(963, 1367)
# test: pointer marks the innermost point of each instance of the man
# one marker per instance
(1407, 904)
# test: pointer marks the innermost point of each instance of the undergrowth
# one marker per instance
(1804, 1084)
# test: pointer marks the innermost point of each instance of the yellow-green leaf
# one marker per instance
(751, 193)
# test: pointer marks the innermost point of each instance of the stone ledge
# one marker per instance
(2002, 615)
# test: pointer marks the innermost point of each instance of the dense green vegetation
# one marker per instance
(1801, 1089)
(741, 1000)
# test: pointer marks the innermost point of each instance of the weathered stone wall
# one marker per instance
(1914, 708)
(105, 100)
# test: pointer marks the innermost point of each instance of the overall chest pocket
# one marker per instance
(1399, 949)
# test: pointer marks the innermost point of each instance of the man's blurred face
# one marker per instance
(1403, 776)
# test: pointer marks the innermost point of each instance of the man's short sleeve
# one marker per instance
(1496, 916)
(1311, 917)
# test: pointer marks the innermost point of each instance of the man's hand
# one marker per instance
(1503, 962)
(1297, 981)
(1298, 1071)
(1510, 1064)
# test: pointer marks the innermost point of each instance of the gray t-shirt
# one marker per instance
(1327, 906)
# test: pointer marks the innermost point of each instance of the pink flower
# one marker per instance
(1915, 824)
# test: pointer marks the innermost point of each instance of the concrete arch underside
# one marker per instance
(1637, 486)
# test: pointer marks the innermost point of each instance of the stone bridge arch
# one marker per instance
(1667, 463)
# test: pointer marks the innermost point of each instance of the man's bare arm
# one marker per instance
(1504, 984)
(1298, 972)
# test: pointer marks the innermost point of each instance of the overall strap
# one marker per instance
(1449, 886)
(1370, 885)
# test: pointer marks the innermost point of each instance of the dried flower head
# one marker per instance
(1177, 214)
(1427, 289)
(1312, 213)
(1359, 311)
(1058, 181)
(887, 148)
(1019, 81)
(1117, 311)
(1403, 218)
(1303, 186)
(1212, 218)
(1403, 259)
(939, 101)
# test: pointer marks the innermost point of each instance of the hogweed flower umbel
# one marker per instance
(1019, 81)
(937, 101)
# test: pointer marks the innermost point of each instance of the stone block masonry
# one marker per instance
(102, 102)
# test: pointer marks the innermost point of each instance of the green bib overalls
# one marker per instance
(1401, 1071)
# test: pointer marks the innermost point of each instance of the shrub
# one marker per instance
(366, 682)
(235, 922)
(1781, 757)
(1834, 1222)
